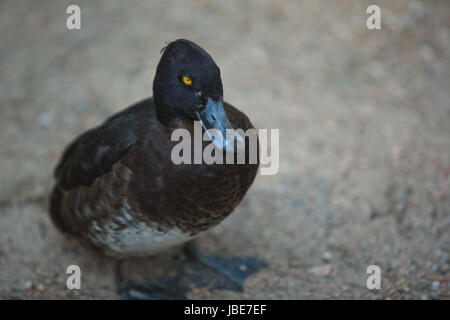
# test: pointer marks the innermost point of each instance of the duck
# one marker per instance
(117, 188)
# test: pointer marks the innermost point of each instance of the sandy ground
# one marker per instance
(364, 119)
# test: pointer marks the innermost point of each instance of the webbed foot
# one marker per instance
(198, 271)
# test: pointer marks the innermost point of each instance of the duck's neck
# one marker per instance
(165, 113)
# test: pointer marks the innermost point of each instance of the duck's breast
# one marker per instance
(124, 236)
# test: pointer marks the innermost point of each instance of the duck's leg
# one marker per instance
(217, 272)
(160, 289)
(164, 288)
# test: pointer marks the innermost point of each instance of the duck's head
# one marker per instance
(187, 84)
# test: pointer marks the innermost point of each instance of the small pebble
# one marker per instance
(45, 119)
(321, 271)
(28, 284)
(243, 267)
(435, 285)
(326, 256)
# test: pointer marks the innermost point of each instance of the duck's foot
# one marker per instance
(217, 272)
(160, 289)
(199, 271)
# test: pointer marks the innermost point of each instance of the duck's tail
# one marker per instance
(56, 198)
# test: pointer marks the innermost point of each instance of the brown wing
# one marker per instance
(93, 154)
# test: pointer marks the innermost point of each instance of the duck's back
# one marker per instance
(118, 190)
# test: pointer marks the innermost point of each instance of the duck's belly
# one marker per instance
(135, 239)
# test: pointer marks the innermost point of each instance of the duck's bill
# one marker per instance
(215, 122)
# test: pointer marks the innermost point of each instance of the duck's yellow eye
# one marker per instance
(187, 81)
